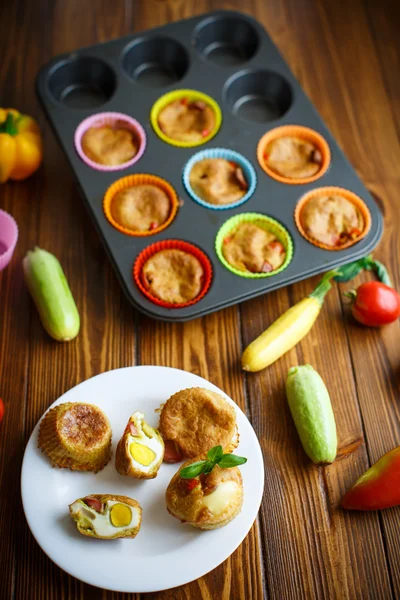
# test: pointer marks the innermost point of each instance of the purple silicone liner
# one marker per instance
(109, 118)
(8, 238)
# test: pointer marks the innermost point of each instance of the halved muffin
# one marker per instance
(76, 436)
(186, 121)
(194, 420)
(250, 247)
(109, 145)
(207, 501)
(140, 451)
(293, 157)
(218, 181)
(173, 275)
(141, 207)
(106, 516)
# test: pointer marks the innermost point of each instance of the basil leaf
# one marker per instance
(215, 454)
(193, 470)
(382, 273)
(210, 464)
(231, 460)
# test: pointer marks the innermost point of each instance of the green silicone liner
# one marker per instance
(267, 223)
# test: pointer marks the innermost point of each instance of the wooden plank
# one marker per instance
(313, 549)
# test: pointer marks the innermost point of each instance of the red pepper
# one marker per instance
(153, 225)
(379, 487)
(191, 483)
(205, 133)
(277, 246)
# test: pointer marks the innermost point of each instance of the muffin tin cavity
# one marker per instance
(82, 82)
(156, 61)
(226, 41)
(267, 223)
(258, 95)
(229, 155)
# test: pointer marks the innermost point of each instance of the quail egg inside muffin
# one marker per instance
(140, 451)
(106, 516)
(207, 501)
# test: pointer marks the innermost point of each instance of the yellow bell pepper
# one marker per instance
(21, 150)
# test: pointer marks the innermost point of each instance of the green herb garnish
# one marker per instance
(215, 456)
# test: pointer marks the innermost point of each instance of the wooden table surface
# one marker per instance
(346, 55)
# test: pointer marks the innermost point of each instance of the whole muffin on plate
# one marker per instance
(207, 501)
(185, 120)
(218, 181)
(173, 276)
(141, 207)
(331, 219)
(250, 247)
(76, 436)
(194, 420)
(109, 144)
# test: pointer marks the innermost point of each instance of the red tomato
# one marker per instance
(1, 409)
(376, 304)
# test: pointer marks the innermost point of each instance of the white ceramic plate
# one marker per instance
(165, 553)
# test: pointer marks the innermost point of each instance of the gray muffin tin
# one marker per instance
(229, 56)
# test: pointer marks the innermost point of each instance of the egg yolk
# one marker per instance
(142, 454)
(120, 515)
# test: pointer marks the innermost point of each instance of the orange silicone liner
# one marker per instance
(353, 198)
(139, 179)
(168, 245)
(304, 133)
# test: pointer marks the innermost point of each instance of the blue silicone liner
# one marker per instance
(231, 155)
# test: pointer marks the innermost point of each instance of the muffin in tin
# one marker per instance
(110, 145)
(187, 120)
(218, 181)
(141, 207)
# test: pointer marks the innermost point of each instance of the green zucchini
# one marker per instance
(50, 291)
(312, 413)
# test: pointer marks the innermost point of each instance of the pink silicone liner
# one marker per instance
(8, 237)
(109, 118)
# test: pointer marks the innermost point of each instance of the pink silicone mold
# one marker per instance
(8, 238)
(110, 118)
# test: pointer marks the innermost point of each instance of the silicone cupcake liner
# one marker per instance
(299, 131)
(231, 155)
(112, 119)
(267, 223)
(8, 238)
(139, 179)
(192, 95)
(353, 198)
(176, 245)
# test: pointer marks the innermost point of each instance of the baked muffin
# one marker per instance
(106, 516)
(208, 501)
(140, 451)
(173, 275)
(293, 157)
(187, 121)
(76, 436)
(141, 207)
(110, 146)
(194, 420)
(250, 247)
(331, 219)
(218, 181)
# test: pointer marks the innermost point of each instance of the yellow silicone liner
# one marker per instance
(351, 197)
(267, 223)
(139, 179)
(192, 95)
(305, 133)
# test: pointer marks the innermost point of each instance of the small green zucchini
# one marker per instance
(50, 291)
(312, 413)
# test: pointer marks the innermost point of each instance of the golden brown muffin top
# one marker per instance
(331, 219)
(293, 157)
(197, 419)
(249, 247)
(186, 121)
(108, 145)
(185, 497)
(83, 425)
(141, 207)
(173, 275)
(218, 181)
